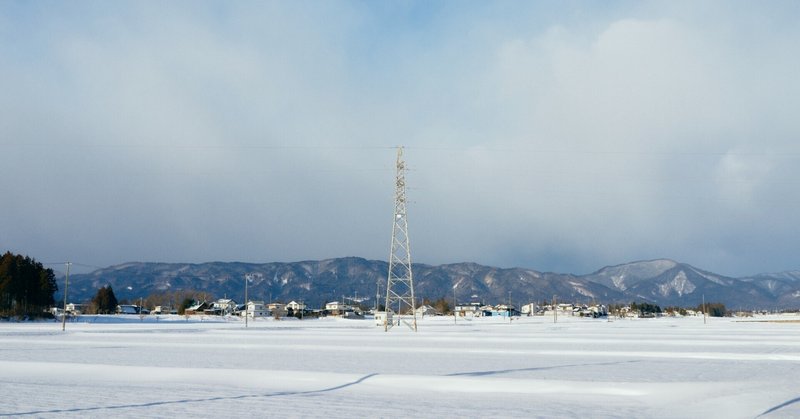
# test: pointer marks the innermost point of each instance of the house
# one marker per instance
(596, 310)
(426, 310)
(164, 310)
(277, 309)
(626, 311)
(472, 309)
(199, 308)
(464, 310)
(333, 305)
(255, 309)
(566, 308)
(75, 309)
(295, 307)
(127, 309)
(505, 310)
(224, 306)
(486, 310)
(529, 309)
(336, 308)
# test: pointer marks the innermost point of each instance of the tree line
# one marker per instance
(649, 309)
(105, 302)
(26, 287)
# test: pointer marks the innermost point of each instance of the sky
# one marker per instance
(558, 136)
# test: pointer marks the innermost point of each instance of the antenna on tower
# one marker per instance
(400, 284)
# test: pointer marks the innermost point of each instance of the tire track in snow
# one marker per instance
(185, 401)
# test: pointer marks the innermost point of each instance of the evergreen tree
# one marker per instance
(714, 309)
(646, 309)
(186, 303)
(105, 302)
(26, 287)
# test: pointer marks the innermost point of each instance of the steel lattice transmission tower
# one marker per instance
(400, 282)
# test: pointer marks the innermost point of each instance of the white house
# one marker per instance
(504, 310)
(529, 309)
(337, 308)
(127, 309)
(164, 310)
(473, 310)
(225, 306)
(426, 310)
(75, 309)
(295, 306)
(255, 309)
(566, 308)
(277, 309)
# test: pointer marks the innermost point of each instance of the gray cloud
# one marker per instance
(562, 139)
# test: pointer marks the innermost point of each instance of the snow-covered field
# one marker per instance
(122, 367)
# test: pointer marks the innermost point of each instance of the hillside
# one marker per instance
(664, 282)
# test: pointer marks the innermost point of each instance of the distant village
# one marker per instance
(474, 308)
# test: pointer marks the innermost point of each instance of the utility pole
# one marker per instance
(455, 314)
(509, 306)
(400, 283)
(377, 296)
(246, 305)
(66, 287)
(555, 310)
(704, 309)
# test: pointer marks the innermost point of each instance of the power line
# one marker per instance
(73, 264)
(529, 150)
(459, 148)
(198, 146)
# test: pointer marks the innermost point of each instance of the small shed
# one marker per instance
(382, 318)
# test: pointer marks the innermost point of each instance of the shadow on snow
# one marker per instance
(554, 367)
(207, 399)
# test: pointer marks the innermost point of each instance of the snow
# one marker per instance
(581, 290)
(713, 278)
(619, 282)
(648, 269)
(680, 284)
(637, 270)
(168, 366)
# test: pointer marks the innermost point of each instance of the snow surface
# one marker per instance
(641, 270)
(122, 366)
(680, 284)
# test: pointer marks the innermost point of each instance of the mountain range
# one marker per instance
(663, 282)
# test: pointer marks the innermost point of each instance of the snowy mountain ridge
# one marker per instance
(662, 281)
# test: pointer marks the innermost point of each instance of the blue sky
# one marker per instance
(560, 136)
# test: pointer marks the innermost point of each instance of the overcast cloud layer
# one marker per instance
(560, 136)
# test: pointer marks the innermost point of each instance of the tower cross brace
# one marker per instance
(400, 281)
